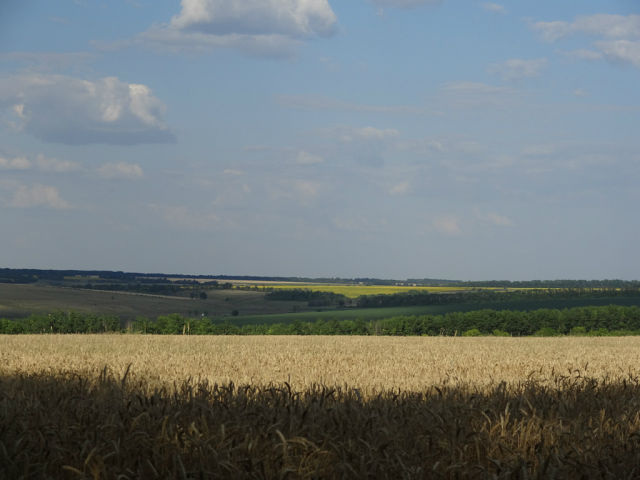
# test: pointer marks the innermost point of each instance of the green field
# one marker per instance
(246, 306)
(378, 313)
(22, 300)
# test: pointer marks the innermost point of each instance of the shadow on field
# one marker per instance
(71, 426)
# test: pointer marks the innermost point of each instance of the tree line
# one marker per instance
(423, 298)
(605, 320)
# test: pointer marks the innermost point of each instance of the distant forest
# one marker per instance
(28, 275)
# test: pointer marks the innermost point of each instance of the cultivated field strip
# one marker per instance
(371, 364)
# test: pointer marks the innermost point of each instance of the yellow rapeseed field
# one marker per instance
(371, 364)
(354, 291)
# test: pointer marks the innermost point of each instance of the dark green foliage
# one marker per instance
(594, 320)
(543, 297)
(314, 298)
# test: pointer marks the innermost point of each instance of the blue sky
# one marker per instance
(383, 138)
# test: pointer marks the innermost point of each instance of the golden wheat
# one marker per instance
(371, 364)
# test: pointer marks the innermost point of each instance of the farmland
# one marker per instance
(371, 364)
(22, 300)
(103, 406)
(353, 290)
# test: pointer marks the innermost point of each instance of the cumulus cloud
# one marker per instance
(38, 196)
(120, 170)
(260, 27)
(62, 109)
(517, 68)
(447, 225)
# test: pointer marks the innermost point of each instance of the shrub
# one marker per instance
(473, 332)
(500, 333)
(546, 332)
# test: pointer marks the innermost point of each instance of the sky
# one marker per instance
(396, 139)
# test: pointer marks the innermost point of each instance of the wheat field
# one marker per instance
(139, 407)
(371, 364)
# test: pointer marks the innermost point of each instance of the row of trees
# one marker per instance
(313, 298)
(581, 320)
(417, 297)
(62, 322)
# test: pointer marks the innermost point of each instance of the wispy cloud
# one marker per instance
(404, 3)
(494, 7)
(401, 188)
(41, 163)
(518, 68)
(16, 163)
(180, 216)
(494, 219)
(37, 195)
(619, 36)
(120, 170)
(311, 102)
(447, 225)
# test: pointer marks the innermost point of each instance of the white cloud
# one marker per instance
(42, 163)
(517, 68)
(70, 110)
(55, 165)
(552, 31)
(625, 51)
(260, 27)
(584, 54)
(600, 25)
(447, 225)
(37, 196)
(619, 36)
(494, 7)
(537, 150)
(16, 163)
(120, 170)
(306, 189)
(350, 134)
(475, 94)
(231, 171)
(306, 158)
(400, 188)
(404, 3)
(46, 61)
(612, 26)
(580, 92)
(495, 219)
